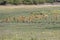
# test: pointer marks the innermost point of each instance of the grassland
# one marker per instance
(40, 30)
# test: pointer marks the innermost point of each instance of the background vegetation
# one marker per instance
(28, 1)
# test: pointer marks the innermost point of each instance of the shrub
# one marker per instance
(15, 2)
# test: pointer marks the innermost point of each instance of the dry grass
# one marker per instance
(28, 6)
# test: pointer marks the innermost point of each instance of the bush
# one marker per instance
(50, 1)
(15, 2)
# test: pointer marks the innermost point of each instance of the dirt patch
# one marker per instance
(29, 6)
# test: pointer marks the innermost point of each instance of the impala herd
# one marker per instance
(30, 18)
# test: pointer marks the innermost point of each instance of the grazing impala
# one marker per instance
(21, 18)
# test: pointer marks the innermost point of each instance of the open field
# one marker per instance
(40, 29)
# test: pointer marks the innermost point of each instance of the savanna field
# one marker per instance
(30, 23)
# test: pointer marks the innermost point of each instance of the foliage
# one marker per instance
(27, 1)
